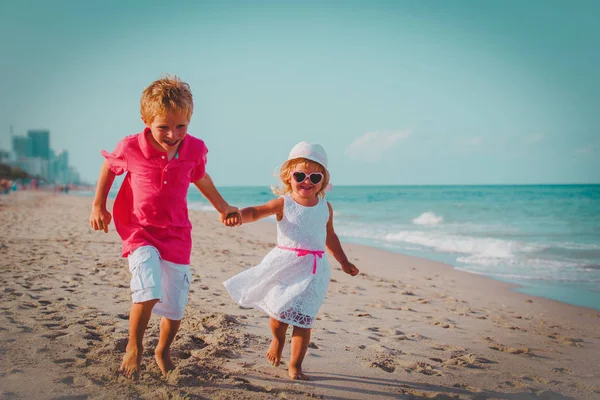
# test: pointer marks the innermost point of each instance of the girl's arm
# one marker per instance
(206, 186)
(273, 207)
(100, 217)
(335, 247)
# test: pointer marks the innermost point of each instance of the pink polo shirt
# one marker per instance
(151, 206)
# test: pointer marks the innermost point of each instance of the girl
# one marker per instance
(291, 281)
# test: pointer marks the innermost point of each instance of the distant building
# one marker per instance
(32, 153)
(74, 176)
(35, 166)
(40, 143)
(21, 147)
(4, 156)
(60, 168)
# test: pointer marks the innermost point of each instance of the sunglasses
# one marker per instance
(314, 177)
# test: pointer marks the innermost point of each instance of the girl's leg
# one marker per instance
(300, 341)
(162, 353)
(138, 321)
(278, 329)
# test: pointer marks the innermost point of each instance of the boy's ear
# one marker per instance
(144, 121)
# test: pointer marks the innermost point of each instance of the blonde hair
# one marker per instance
(166, 94)
(285, 174)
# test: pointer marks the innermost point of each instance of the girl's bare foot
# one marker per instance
(132, 361)
(163, 359)
(278, 329)
(275, 351)
(296, 374)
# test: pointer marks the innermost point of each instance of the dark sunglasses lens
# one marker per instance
(316, 178)
(299, 176)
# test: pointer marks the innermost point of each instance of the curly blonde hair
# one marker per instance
(166, 94)
(285, 174)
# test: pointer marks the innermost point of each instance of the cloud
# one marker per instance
(588, 149)
(538, 137)
(371, 146)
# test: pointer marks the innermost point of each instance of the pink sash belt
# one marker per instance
(304, 252)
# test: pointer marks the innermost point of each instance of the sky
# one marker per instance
(398, 93)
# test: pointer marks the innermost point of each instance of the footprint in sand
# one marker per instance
(567, 340)
(444, 325)
(514, 328)
(383, 358)
(68, 380)
(386, 365)
(360, 313)
(26, 306)
(463, 359)
(63, 361)
(92, 335)
(506, 349)
(52, 326)
(422, 368)
(54, 335)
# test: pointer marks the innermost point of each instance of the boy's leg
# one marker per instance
(278, 329)
(138, 321)
(176, 280)
(162, 353)
(146, 277)
(300, 341)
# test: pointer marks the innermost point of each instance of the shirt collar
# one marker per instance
(184, 152)
(150, 152)
(145, 145)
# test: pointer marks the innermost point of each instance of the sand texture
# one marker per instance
(404, 328)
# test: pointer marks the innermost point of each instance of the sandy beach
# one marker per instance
(404, 328)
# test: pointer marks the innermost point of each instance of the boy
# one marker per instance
(151, 214)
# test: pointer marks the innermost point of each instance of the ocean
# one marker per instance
(545, 238)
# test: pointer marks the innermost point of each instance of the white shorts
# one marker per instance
(154, 278)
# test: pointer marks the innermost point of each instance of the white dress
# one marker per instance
(286, 285)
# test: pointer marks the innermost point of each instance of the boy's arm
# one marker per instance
(100, 217)
(273, 207)
(335, 247)
(206, 186)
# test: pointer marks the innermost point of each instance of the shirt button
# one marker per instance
(163, 157)
(165, 182)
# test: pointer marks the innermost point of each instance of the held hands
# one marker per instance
(100, 219)
(231, 217)
(350, 268)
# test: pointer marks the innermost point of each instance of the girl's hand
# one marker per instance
(100, 219)
(350, 268)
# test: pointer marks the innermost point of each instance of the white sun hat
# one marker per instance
(311, 151)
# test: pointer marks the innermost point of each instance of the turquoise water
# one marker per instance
(545, 238)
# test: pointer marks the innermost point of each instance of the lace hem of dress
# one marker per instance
(291, 316)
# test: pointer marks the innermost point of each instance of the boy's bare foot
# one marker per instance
(296, 374)
(163, 359)
(275, 351)
(132, 361)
